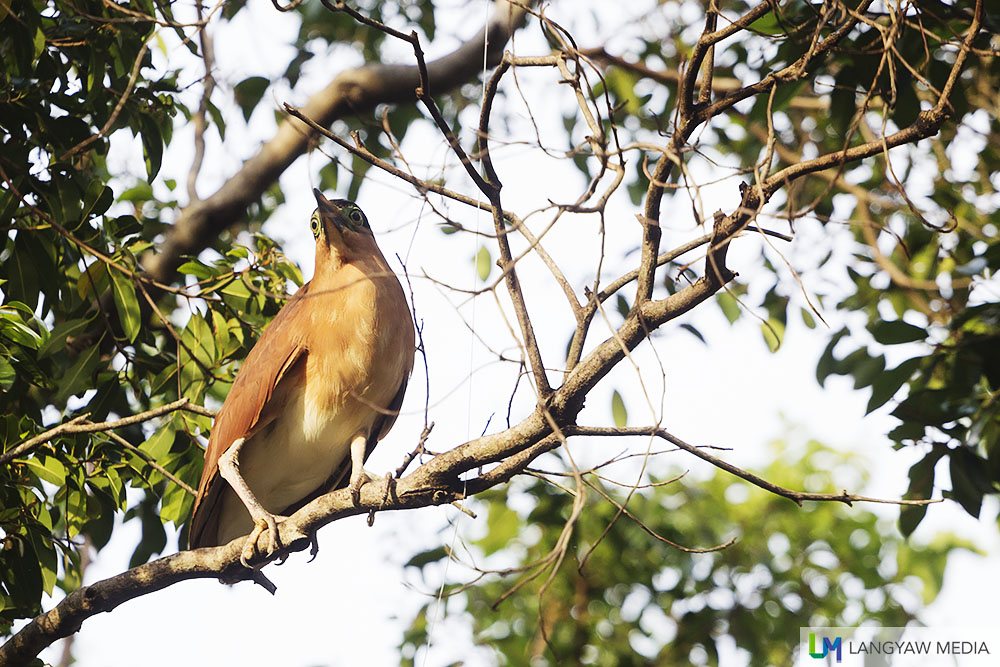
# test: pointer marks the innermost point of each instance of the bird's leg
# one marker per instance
(229, 468)
(358, 475)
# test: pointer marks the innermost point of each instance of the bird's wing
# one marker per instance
(388, 418)
(277, 352)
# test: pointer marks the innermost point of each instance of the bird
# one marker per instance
(322, 385)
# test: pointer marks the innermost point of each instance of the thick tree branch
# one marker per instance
(351, 92)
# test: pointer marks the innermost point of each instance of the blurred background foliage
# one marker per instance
(624, 595)
(84, 333)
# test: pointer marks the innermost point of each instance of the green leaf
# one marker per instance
(248, 92)
(159, 443)
(60, 333)
(694, 332)
(427, 557)
(22, 268)
(48, 468)
(39, 43)
(969, 480)
(889, 382)
(78, 376)
(14, 329)
(127, 303)
(896, 332)
(222, 337)
(237, 252)
(868, 370)
(98, 199)
(768, 24)
(827, 364)
(176, 504)
(152, 146)
(622, 83)
(154, 539)
(99, 528)
(773, 331)
(618, 410)
(328, 175)
(504, 524)
(7, 375)
(843, 105)
(484, 265)
(729, 305)
(785, 93)
(931, 407)
(236, 294)
(621, 305)
(195, 268)
(808, 319)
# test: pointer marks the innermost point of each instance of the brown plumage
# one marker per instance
(329, 370)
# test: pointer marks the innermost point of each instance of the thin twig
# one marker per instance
(152, 463)
(798, 497)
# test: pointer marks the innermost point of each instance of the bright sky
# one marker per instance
(349, 607)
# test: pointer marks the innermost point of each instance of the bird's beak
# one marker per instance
(330, 211)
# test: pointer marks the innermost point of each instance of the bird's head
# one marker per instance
(341, 230)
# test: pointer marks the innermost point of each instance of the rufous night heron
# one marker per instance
(319, 389)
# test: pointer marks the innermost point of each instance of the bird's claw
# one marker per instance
(263, 521)
(313, 547)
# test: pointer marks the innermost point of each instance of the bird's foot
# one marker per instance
(359, 477)
(262, 520)
(390, 483)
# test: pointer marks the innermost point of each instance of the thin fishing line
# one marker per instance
(439, 599)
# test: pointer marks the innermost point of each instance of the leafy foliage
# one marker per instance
(620, 597)
(67, 349)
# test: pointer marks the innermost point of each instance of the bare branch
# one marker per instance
(798, 497)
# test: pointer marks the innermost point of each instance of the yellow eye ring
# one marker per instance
(314, 223)
(356, 216)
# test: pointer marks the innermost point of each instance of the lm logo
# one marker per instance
(829, 646)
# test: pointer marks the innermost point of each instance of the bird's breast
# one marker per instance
(358, 352)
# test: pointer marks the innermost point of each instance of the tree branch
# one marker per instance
(80, 425)
(796, 496)
(351, 92)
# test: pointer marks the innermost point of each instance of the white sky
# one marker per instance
(349, 607)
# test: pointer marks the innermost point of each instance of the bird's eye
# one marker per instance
(315, 224)
(356, 216)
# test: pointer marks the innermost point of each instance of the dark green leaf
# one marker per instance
(60, 333)
(248, 92)
(78, 375)
(621, 305)
(694, 332)
(7, 375)
(885, 386)
(127, 304)
(896, 332)
(427, 557)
